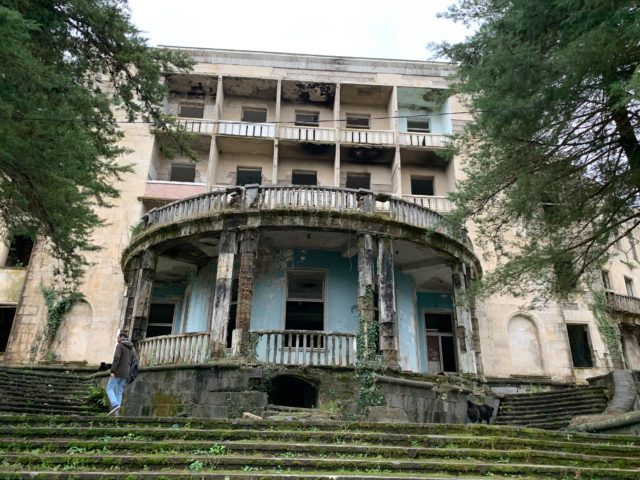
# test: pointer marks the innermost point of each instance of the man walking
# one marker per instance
(120, 367)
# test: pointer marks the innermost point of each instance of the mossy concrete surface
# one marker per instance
(37, 446)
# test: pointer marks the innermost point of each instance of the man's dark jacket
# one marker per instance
(122, 359)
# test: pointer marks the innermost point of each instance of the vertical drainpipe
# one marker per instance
(213, 149)
(246, 276)
(276, 143)
(463, 321)
(222, 293)
(387, 303)
(337, 125)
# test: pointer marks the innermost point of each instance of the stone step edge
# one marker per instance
(557, 413)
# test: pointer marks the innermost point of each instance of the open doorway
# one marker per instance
(7, 315)
(441, 351)
(290, 391)
(160, 319)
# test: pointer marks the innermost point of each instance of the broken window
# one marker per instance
(358, 180)
(7, 315)
(305, 300)
(182, 172)
(421, 186)
(356, 120)
(299, 177)
(418, 125)
(20, 250)
(628, 283)
(580, 345)
(441, 352)
(249, 176)
(254, 115)
(160, 319)
(191, 111)
(307, 119)
(606, 281)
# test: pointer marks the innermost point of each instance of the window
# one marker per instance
(358, 121)
(160, 319)
(299, 177)
(305, 300)
(358, 180)
(308, 119)
(249, 176)
(19, 251)
(441, 352)
(418, 125)
(254, 115)
(606, 281)
(191, 111)
(421, 186)
(182, 172)
(6, 322)
(580, 346)
(628, 283)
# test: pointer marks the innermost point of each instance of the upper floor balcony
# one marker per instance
(623, 304)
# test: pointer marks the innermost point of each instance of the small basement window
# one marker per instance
(421, 186)
(248, 176)
(299, 177)
(160, 319)
(358, 180)
(182, 172)
(191, 111)
(307, 119)
(418, 125)
(358, 121)
(254, 115)
(580, 345)
(20, 250)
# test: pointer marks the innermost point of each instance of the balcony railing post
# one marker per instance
(250, 197)
(366, 200)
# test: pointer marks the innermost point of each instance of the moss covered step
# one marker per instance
(529, 415)
(556, 405)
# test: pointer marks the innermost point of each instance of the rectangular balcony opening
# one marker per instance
(358, 120)
(181, 172)
(418, 125)
(358, 180)
(254, 115)
(307, 119)
(580, 345)
(248, 176)
(300, 177)
(422, 186)
(191, 111)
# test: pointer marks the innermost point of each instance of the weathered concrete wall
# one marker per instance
(11, 282)
(408, 341)
(440, 181)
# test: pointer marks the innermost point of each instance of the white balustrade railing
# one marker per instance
(433, 140)
(307, 134)
(420, 214)
(623, 303)
(305, 347)
(184, 348)
(368, 137)
(196, 126)
(437, 204)
(246, 129)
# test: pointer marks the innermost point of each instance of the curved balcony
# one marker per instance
(333, 199)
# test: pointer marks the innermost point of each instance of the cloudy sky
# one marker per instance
(399, 29)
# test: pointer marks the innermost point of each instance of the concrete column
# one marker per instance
(142, 298)
(337, 125)
(463, 321)
(213, 148)
(366, 311)
(387, 302)
(248, 258)
(274, 177)
(274, 169)
(222, 293)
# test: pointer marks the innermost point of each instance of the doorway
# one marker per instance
(441, 351)
(290, 391)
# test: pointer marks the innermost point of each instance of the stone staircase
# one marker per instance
(551, 410)
(56, 447)
(46, 390)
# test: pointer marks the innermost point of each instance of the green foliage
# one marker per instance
(366, 365)
(553, 158)
(58, 303)
(607, 330)
(66, 67)
(98, 396)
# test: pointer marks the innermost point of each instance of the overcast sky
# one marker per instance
(399, 29)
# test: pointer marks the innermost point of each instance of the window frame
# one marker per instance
(189, 105)
(307, 124)
(585, 328)
(247, 169)
(629, 286)
(358, 116)
(606, 280)
(323, 300)
(178, 166)
(424, 178)
(247, 108)
(418, 129)
(305, 172)
(360, 175)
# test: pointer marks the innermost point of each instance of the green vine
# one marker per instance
(58, 305)
(366, 364)
(606, 328)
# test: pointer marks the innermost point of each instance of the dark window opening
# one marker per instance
(419, 126)
(359, 180)
(448, 354)
(606, 281)
(233, 310)
(7, 314)
(358, 121)
(421, 186)
(305, 301)
(307, 119)
(254, 115)
(304, 178)
(440, 322)
(293, 392)
(20, 250)
(628, 283)
(191, 111)
(249, 176)
(580, 346)
(160, 319)
(440, 343)
(181, 172)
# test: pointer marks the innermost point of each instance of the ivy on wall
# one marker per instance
(58, 303)
(366, 364)
(607, 329)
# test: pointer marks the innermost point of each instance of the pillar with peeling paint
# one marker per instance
(139, 316)
(248, 259)
(387, 302)
(366, 311)
(222, 293)
(463, 321)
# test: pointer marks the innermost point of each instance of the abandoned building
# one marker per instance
(306, 235)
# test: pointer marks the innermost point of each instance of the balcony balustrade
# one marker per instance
(205, 127)
(431, 140)
(437, 204)
(368, 137)
(623, 303)
(306, 198)
(246, 129)
(185, 348)
(308, 134)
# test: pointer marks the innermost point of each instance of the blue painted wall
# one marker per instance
(407, 325)
(429, 301)
(202, 285)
